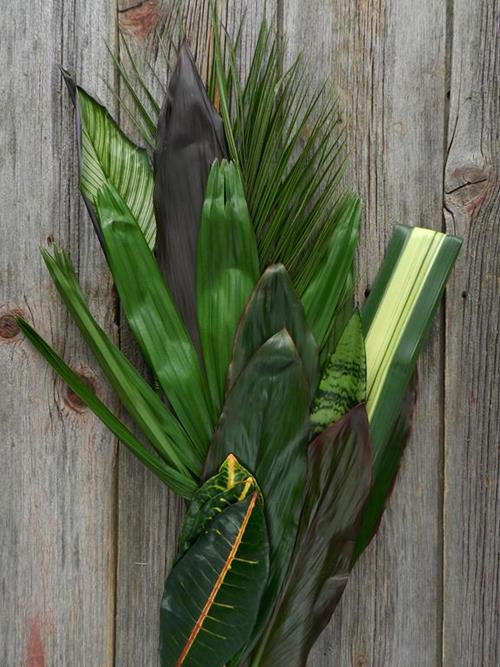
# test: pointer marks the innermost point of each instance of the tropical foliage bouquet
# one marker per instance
(277, 408)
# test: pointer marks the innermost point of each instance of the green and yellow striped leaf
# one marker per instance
(396, 318)
(227, 270)
(213, 594)
(107, 156)
(343, 384)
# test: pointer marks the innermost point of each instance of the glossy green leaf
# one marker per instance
(343, 384)
(227, 270)
(190, 137)
(338, 483)
(396, 318)
(213, 594)
(385, 478)
(141, 402)
(272, 307)
(181, 484)
(107, 156)
(153, 318)
(323, 295)
(264, 424)
(231, 484)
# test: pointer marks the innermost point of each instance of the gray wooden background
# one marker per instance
(83, 528)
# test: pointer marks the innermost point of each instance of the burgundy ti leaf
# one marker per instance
(190, 137)
(338, 483)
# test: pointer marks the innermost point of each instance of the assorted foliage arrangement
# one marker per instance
(278, 408)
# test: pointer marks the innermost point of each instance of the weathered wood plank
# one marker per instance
(149, 515)
(388, 60)
(57, 486)
(472, 397)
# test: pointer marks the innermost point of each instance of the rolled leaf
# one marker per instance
(272, 307)
(396, 318)
(107, 156)
(227, 270)
(213, 594)
(231, 484)
(181, 484)
(343, 384)
(323, 296)
(141, 402)
(190, 137)
(153, 318)
(385, 478)
(338, 483)
(264, 424)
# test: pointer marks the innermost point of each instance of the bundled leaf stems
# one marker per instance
(279, 409)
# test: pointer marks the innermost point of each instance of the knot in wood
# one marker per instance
(72, 400)
(9, 328)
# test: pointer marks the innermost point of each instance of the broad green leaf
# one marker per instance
(323, 295)
(272, 307)
(343, 384)
(107, 156)
(231, 484)
(213, 594)
(190, 137)
(338, 483)
(181, 484)
(384, 480)
(396, 318)
(153, 318)
(141, 402)
(227, 270)
(264, 424)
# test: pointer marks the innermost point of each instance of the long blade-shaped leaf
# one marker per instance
(227, 269)
(264, 424)
(153, 318)
(272, 307)
(141, 402)
(323, 296)
(108, 156)
(338, 482)
(343, 384)
(190, 137)
(396, 318)
(212, 595)
(181, 484)
(385, 478)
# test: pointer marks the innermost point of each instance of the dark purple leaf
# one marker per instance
(190, 137)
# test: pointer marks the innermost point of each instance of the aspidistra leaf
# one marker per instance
(213, 594)
(108, 156)
(153, 318)
(323, 295)
(139, 399)
(227, 269)
(343, 384)
(338, 483)
(272, 307)
(264, 424)
(190, 137)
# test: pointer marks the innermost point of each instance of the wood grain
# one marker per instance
(472, 368)
(87, 537)
(393, 91)
(57, 472)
